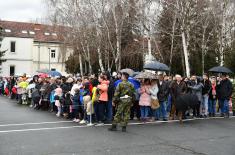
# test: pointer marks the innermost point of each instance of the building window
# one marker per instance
(13, 46)
(53, 54)
(12, 70)
(24, 31)
(7, 30)
(31, 32)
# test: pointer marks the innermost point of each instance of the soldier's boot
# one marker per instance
(113, 127)
(124, 129)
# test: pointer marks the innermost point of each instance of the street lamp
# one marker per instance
(39, 56)
(49, 58)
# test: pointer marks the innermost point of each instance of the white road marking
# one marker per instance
(22, 124)
(69, 127)
(40, 129)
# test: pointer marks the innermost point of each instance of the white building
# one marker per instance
(31, 47)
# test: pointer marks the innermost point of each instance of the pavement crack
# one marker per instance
(184, 148)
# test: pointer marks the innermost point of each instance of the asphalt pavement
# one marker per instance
(24, 131)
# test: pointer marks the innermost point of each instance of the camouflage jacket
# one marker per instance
(124, 88)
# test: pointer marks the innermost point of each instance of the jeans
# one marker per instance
(96, 110)
(109, 111)
(196, 110)
(100, 110)
(221, 105)
(204, 105)
(169, 102)
(75, 113)
(144, 111)
(59, 111)
(225, 106)
(212, 106)
(161, 111)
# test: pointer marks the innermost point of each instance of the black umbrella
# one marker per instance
(156, 66)
(220, 69)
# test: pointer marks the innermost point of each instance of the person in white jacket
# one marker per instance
(154, 91)
(77, 85)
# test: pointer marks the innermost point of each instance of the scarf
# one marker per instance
(213, 90)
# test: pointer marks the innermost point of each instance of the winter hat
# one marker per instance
(114, 74)
(69, 80)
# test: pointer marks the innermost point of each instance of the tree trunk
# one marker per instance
(203, 61)
(223, 32)
(100, 59)
(85, 64)
(80, 64)
(89, 59)
(186, 54)
(172, 40)
(149, 46)
(119, 61)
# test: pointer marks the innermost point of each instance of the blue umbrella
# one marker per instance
(135, 83)
(54, 73)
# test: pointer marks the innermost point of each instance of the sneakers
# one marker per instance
(58, 114)
(75, 120)
(83, 122)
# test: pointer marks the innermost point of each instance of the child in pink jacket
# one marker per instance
(145, 99)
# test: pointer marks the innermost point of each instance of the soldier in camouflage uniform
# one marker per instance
(123, 99)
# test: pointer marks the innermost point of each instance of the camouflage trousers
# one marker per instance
(123, 114)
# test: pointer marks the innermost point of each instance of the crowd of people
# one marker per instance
(103, 98)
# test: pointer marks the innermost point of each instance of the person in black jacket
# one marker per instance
(205, 95)
(225, 93)
(163, 93)
(66, 86)
(36, 94)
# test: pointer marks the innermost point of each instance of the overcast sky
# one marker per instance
(22, 10)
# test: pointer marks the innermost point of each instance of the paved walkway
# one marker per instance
(24, 131)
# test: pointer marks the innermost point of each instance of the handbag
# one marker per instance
(155, 104)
